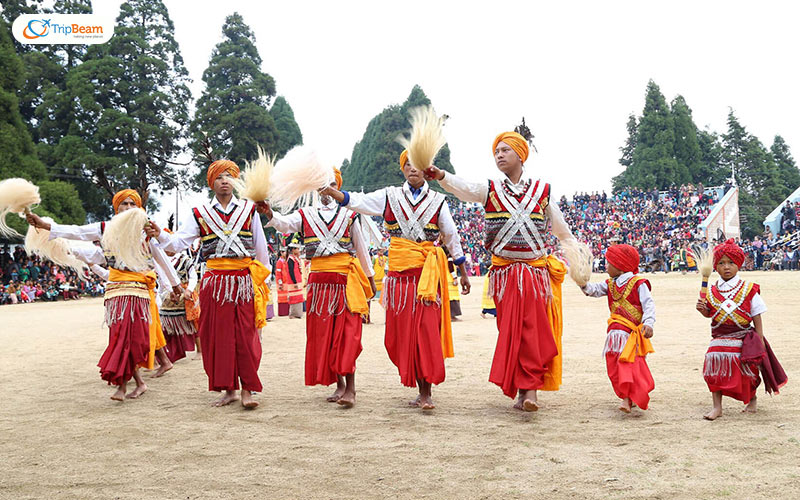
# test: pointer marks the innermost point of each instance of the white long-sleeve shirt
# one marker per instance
(293, 222)
(645, 298)
(374, 203)
(189, 231)
(93, 232)
(478, 192)
(94, 258)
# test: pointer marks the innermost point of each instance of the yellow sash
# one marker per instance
(557, 270)
(404, 255)
(358, 290)
(258, 275)
(157, 340)
(637, 344)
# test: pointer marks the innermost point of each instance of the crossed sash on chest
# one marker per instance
(520, 211)
(413, 219)
(329, 234)
(228, 241)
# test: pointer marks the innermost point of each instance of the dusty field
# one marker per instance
(61, 437)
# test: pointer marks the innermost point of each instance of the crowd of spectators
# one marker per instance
(26, 278)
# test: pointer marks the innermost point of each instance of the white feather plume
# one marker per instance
(58, 250)
(579, 260)
(426, 137)
(297, 177)
(254, 184)
(124, 238)
(18, 196)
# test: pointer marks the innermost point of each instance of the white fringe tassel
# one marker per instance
(327, 299)
(498, 280)
(127, 308)
(177, 325)
(396, 290)
(230, 288)
(615, 341)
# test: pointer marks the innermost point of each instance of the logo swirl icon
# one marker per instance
(36, 28)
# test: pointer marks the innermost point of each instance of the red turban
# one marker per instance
(515, 142)
(338, 175)
(730, 249)
(217, 168)
(623, 257)
(403, 158)
(123, 195)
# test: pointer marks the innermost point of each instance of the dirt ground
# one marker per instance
(62, 437)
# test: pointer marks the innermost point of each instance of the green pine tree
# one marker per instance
(374, 162)
(787, 168)
(289, 134)
(130, 105)
(760, 185)
(17, 152)
(626, 160)
(686, 147)
(233, 109)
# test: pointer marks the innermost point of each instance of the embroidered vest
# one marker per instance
(226, 236)
(113, 262)
(516, 225)
(625, 301)
(415, 221)
(731, 309)
(321, 238)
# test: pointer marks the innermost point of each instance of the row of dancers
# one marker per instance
(524, 281)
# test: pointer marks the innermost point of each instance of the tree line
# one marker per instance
(83, 121)
(665, 148)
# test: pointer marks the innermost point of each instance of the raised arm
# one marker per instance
(596, 289)
(558, 224)
(87, 232)
(464, 190)
(164, 267)
(290, 223)
(373, 203)
(361, 249)
(181, 239)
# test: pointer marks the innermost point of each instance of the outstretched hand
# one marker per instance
(36, 221)
(152, 230)
(263, 207)
(433, 173)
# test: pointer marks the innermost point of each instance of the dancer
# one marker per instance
(633, 313)
(232, 292)
(179, 315)
(418, 332)
(738, 347)
(525, 282)
(281, 275)
(338, 291)
(293, 280)
(131, 313)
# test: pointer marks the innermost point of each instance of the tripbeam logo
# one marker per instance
(62, 28)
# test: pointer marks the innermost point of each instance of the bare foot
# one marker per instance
(333, 398)
(714, 414)
(226, 399)
(529, 405)
(752, 406)
(164, 368)
(248, 401)
(119, 395)
(140, 389)
(427, 404)
(483, 315)
(415, 403)
(625, 405)
(347, 400)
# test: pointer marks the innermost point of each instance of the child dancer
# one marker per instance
(738, 348)
(633, 313)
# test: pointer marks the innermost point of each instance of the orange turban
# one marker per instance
(338, 175)
(403, 158)
(217, 168)
(515, 142)
(123, 195)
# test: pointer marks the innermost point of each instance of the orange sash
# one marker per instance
(258, 275)
(157, 340)
(404, 255)
(637, 344)
(358, 290)
(557, 270)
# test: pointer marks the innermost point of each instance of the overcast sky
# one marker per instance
(575, 70)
